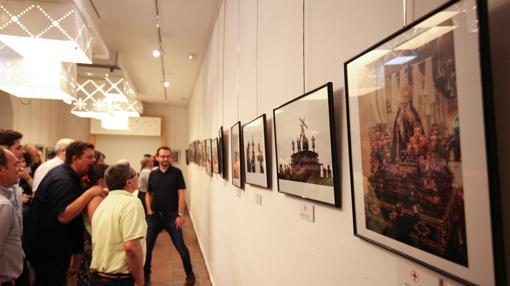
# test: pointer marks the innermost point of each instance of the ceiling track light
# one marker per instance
(166, 84)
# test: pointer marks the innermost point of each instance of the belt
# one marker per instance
(114, 275)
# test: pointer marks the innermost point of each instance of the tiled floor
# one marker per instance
(167, 269)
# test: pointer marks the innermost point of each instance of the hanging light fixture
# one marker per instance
(54, 31)
(100, 98)
(115, 122)
(106, 96)
(36, 77)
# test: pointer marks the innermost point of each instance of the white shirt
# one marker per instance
(11, 253)
(143, 180)
(45, 167)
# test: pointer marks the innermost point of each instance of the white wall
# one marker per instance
(130, 148)
(41, 121)
(254, 63)
(174, 130)
(174, 127)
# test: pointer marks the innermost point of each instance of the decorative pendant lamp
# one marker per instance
(47, 30)
(108, 97)
(36, 77)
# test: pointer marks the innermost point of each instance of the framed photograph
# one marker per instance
(236, 143)
(208, 157)
(192, 152)
(423, 163)
(196, 152)
(305, 147)
(204, 154)
(215, 160)
(221, 152)
(175, 156)
(256, 170)
(187, 156)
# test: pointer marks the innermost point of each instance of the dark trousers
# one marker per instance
(157, 222)
(51, 271)
(101, 281)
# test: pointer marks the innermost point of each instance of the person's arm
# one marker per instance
(75, 208)
(148, 195)
(179, 220)
(26, 176)
(134, 257)
(7, 219)
(148, 199)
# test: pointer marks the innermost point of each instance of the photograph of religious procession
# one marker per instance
(208, 157)
(215, 161)
(255, 156)
(236, 155)
(305, 149)
(415, 125)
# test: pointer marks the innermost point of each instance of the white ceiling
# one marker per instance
(129, 27)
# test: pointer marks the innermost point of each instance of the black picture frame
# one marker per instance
(423, 146)
(208, 157)
(221, 153)
(256, 163)
(215, 156)
(237, 156)
(317, 178)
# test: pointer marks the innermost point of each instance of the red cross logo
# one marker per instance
(415, 277)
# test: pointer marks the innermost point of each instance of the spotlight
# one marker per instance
(156, 53)
(166, 83)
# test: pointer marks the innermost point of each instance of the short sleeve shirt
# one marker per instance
(46, 237)
(143, 180)
(164, 189)
(11, 253)
(119, 218)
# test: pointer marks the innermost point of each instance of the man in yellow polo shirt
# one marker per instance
(118, 231)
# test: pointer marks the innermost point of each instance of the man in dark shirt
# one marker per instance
(55, 228)
(165, 210)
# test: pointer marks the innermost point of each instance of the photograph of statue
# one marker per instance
(410, 152)
(255, 142)
(305, 155)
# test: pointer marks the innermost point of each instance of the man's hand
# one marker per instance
(98, 191)
(25, 198)
(179, 221)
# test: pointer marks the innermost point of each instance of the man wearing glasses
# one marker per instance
(118, 231)
(165, 210)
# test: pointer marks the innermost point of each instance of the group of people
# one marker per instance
(85, 218)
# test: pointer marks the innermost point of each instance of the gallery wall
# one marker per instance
(174, 133)
(41, 121)
(254, 64)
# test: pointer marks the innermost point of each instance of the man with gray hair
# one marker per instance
(60, 150)
(118, 231)
(11, 253)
